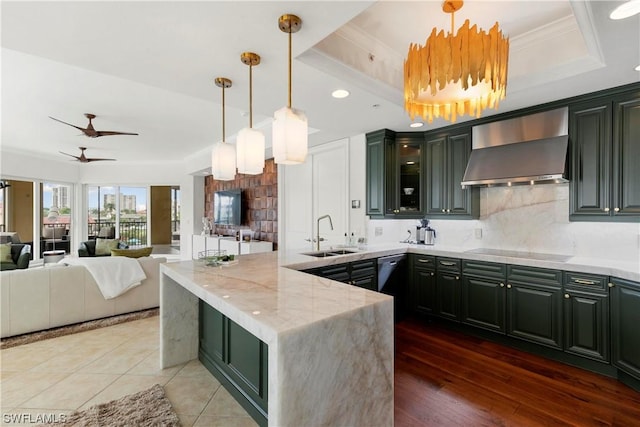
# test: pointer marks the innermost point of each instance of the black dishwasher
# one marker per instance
(392, 281)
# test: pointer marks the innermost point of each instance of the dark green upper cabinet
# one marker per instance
(376, 174)
(605, 145)
(395, 170)
(626, 152)
(447, 157)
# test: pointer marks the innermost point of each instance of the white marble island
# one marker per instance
(330, 345)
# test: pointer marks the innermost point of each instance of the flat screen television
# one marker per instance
(227, 207)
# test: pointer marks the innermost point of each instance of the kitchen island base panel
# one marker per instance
(340, 372)
(178, 313)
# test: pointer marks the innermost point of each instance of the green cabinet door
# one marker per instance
(376, 175)
(534, 305)
(625, 318)
(483, 295)
(590, 140)
(626, 152)
(422, 284)
(586, 324)
(483, 303)
(447, 158)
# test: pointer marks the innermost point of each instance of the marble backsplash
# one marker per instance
(524, 218)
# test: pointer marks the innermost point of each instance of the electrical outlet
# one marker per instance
(478, 233)
(378, 231)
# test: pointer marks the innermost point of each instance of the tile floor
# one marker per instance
(59, 375)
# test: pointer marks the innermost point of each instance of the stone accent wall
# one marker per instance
(259, 203)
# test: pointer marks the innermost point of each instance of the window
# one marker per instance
(55, 216)
(117, 212)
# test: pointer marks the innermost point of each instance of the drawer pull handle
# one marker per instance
(606, 209)
(448, 264)
(426, 261)
(585, 282)
(616, 209)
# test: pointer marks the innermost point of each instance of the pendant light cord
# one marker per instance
(223, 137)
(250, 96)
(289, 69)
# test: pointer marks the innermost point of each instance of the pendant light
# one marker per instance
(290, 129)
(250, 142)
(223, 155)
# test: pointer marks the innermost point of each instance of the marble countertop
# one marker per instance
(268, 300)
(624, 269)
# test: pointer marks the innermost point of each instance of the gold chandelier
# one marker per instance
(455, 75)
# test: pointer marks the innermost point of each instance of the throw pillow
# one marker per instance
(132, 253)
(104, 246)
(5, 253)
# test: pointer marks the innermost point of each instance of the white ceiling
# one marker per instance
(148, 67)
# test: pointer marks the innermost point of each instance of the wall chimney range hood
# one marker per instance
(523, 150)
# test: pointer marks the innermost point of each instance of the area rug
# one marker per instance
(143, 409)
(78, 327)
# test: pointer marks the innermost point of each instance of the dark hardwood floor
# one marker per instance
(446, 378)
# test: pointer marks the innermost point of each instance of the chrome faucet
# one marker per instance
(318, 229)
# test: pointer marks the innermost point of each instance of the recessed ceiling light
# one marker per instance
(626, 10)
(340, 93)
(416, 125)
(638, 68)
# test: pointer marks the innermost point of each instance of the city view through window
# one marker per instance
(118, 212)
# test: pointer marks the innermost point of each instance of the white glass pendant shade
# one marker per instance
(250, 149)
(290, 135)
(223, 161)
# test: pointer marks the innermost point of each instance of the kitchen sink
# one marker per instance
(332, 252)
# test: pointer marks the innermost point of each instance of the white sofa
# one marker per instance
(46, 297)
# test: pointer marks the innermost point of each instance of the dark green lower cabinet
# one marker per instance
(586, 324)
(625, 326)
(448, 295)
(237, 359)
(483, 303)
(535, 314)
(423, 291)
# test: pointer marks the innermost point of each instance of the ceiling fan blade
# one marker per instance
(70, 155)
(109, 133)
(69, 124)
(98, 160)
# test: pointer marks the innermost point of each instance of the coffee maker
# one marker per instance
(425, 235)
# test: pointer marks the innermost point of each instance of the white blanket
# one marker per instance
(114, 275)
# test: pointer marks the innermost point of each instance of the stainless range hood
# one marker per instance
(523, 150)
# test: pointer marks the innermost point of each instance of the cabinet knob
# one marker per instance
(606, 209)
(611, 285)
(433, 274)
(509, 286)
(616, 209)
(448, 210)
(396, 211)
(443, 210)
(567, 296)
(502, 285)
(457, 277)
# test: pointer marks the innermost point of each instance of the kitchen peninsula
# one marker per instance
(329, 345)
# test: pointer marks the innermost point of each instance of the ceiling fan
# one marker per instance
(84, 159)
(90, 131)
